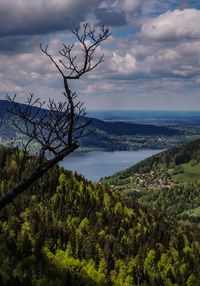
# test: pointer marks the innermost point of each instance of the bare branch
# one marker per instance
(58, 129)
(89, 39)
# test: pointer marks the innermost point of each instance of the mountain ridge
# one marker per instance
(103, 135)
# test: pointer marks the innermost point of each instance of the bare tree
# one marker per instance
(58, 129)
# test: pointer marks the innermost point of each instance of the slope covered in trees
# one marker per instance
(169, 181)
(67, 231)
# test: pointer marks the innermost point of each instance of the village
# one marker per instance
(152, 181)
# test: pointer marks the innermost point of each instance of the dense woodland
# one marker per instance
(67, 231)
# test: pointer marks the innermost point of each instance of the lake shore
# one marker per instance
(97, 164)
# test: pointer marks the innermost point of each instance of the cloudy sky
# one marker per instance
(151, 61)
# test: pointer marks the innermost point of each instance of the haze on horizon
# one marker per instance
(152, 59)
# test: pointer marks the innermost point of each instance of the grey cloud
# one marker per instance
(26, 17)
(110, 18)
(185, 4)
(19, 44)
(40, 17)
(22, 23)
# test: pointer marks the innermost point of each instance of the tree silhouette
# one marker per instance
(56, 130)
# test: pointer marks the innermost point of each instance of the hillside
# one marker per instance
(108, 135)
(169, 181)
(67, 231)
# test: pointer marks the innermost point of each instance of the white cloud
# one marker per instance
(7, 85)
(25, 72)
(125, 64)
(130, 5)
(173, 25)
(190, 49)
(101, 87)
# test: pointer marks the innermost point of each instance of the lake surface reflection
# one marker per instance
(97, 164)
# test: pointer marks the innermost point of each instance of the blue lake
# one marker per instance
(97, 164)
(94, 165)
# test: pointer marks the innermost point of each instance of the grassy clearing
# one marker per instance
(190, 174)
(193, 212)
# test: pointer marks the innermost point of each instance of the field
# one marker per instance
(193, 212)
(190, 173)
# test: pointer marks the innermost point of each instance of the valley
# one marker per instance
(139, 226)
(100, 143)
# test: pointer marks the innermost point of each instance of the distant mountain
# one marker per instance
(108, 135)
(5, 105)
(169, 181)
(124, 128)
